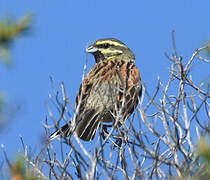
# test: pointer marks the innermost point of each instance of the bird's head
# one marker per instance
(110, 48)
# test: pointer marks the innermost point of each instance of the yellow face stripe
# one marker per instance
(113, 51)
(114, 43)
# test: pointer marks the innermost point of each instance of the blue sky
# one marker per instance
(56, 46)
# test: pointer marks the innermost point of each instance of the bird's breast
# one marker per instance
(109, 79)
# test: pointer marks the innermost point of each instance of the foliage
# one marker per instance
(202, 169)
(9, 31)
(20, 169)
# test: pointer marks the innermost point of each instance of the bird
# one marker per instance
(111, 86)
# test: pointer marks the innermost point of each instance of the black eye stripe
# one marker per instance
(105, 45)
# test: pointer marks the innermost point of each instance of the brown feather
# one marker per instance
(114, 76)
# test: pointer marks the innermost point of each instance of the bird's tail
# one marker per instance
(86, 126)
(65, 130)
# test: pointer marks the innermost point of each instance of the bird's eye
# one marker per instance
(106, 45)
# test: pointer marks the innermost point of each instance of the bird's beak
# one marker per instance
(91, 49)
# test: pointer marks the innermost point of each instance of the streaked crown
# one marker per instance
(110, 48)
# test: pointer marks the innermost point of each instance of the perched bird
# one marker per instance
(113, 85)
